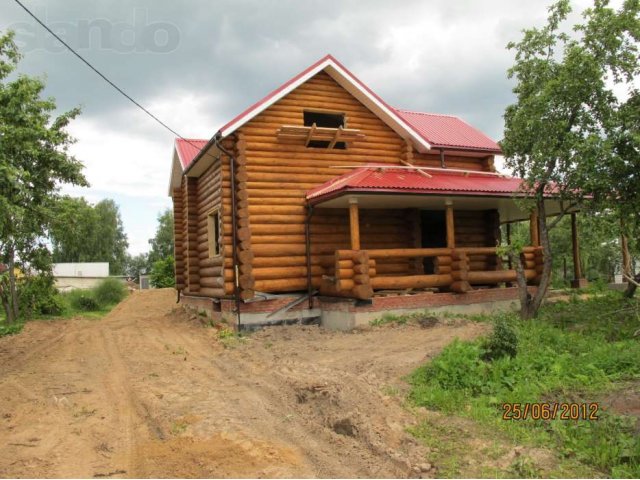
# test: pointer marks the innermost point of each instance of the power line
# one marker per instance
(86, 62)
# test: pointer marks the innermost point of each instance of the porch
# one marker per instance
(443, 265)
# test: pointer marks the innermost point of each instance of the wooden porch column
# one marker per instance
(354, 224)
(533, 229)
(451, 234)
(578, 280)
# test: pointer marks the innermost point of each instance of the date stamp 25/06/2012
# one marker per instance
(550, 411)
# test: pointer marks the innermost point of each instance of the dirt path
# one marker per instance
(146, 392)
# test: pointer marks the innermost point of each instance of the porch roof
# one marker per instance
(403, 180)
(384, 186)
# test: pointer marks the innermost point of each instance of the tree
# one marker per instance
(82, 232)
(162, 243)
(568, 132)
(73, 231)
(111, 240)
(136, 265)
(162, 273)
(34, 163)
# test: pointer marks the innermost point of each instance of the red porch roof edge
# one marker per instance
(372, 179)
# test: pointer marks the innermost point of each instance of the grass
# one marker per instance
(230, 338)
(90, 303)
(392, 319)
(573, 352)
(10, 329)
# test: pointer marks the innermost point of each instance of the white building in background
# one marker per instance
(69, 276)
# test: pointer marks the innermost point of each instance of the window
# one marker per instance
(213, 232)
(324, 120)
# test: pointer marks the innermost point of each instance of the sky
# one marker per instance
(195, 64)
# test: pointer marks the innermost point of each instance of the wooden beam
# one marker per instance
(310, 134)
(451, 235)
(533, 229)
(419, 169)
(335, 137)
(354, 224)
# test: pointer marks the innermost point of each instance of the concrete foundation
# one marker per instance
(346, 314)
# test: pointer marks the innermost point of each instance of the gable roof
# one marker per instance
(448, 131)
(424, 130)
(349, 82)
(374, 179)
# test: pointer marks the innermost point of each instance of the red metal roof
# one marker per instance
(373, 179)
(447, 131)
(188, 148)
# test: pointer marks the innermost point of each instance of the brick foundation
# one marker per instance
(345, 314)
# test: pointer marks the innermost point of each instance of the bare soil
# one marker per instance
(148, 391)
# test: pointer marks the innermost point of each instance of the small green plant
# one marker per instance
(109, 292)
(502, 342)
(226, 333)
(178, 428)
(524, 467)
(386, 319)
(390, 390)
(11, 329)
(229, 338)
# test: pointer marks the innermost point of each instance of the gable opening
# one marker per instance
(324, 120)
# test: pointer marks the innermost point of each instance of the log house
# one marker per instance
(323, 187)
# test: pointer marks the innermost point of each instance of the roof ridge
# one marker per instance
(432, 114)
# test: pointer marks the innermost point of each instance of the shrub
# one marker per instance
(83, 300)
(38, 296)
(109, 292)
(458, 367)
(162, 273)
(502, 342)
(10, 329)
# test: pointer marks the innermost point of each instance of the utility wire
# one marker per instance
(86, 62)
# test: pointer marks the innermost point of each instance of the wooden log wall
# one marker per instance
(178, 237)
(210, 200)
(190, 225)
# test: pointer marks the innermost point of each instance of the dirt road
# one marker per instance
(149, 392)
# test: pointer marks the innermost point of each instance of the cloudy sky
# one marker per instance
(195, 64)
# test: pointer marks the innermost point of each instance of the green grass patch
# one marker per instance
(43, 302)
(423, 317)
(573, 352)
(10, 329)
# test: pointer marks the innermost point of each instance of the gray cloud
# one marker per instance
(232, 53)
(438, 56)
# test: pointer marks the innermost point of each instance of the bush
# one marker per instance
(10, 329)
(83, 300)
(163, 274)
(38, 296)
(502, 342)
(458, 367)
(110, 291)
